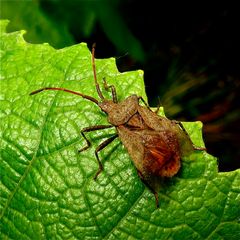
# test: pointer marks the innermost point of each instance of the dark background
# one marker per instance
(189, 54)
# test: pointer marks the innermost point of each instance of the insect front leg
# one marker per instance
(89, 129)
(113, 90)
(98, 149)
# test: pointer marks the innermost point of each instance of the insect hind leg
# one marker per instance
(158, 106)
(184, 130)
(151, 189)
(144, 102)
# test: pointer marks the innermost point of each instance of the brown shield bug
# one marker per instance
(155, 144)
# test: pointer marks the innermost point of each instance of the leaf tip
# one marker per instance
(3, 25)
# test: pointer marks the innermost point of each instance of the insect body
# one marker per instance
(154, 143)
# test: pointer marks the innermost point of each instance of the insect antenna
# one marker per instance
(95, 74)
(92, 99)
(66, 90)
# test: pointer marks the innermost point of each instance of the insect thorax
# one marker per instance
(120, 113)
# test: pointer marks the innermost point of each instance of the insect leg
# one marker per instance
(113, 90)
(145, 103)
(158, 107)
(151, 189)
(89, 129)
(184, 130)
(98, 149)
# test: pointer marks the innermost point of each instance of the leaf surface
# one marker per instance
(47, 187)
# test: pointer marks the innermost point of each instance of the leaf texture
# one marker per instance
(47, 187)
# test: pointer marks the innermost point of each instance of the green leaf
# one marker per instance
(47, 187)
